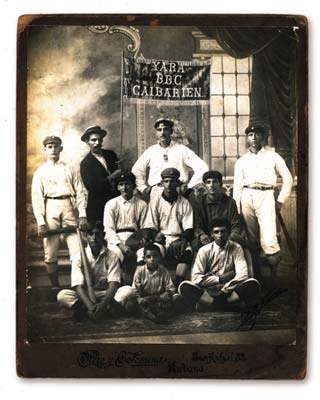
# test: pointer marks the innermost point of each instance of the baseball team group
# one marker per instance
(164, 238)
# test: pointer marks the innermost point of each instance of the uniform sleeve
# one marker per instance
(198, 218)
(139, 169)
(199, 275)
(238, 183)
(152, 217)
(113, 265)
(77, 278)
(198, 166)
(241, 268)
(187, 220)
(169, 286)
(285, 174)
(80, 191)
(235, 222)
(37, 198)
(136, 284)
(143, 210)
(109, 222)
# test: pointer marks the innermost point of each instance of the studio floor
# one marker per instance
(272, 323)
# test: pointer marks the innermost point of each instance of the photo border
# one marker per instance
(98, 360)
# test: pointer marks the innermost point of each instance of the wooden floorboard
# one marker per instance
(269, 337)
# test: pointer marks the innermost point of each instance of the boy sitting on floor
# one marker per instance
(152, 288)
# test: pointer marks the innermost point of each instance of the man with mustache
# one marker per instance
(167, 154)
(98, 170)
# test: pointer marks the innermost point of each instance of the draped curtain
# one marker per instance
(273, 91)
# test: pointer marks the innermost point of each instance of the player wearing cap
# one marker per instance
(98, 170)
(166, 154)
(123, 216)
(214, 203)
(255, 178)
(171, 215)
(55, 187)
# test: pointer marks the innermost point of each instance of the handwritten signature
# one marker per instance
(134, 359)
(249, 317)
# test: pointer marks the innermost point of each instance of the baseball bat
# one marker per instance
(287, 235)
(58, 231)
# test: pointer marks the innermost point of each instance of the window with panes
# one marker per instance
(230, 86)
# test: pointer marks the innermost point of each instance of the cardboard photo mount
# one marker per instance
(235, 356)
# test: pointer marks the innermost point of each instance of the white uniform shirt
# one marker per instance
(213, 261)
(103, 269)
(261, 168)
(171, 219)
(157, 158)
(54, 180)
(123, 214)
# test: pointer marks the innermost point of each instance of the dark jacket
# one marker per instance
(95, 179)
(204, 211)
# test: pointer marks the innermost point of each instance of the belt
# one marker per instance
(58, 197)
(125, 230)
(259, 187)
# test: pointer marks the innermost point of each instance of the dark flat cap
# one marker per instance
(52, 139)
(170, 173)
(93, 129)
(255, 128)
(212, 175)
(125, 178)
(166, 121)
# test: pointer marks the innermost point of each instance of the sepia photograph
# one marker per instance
(162, 196)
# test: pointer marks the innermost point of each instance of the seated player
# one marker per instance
(123, 216)
(171, 216)
(105, 274)
(220, 273)
(152, 288)
(212, 204)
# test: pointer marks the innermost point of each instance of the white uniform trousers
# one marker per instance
(258, 210)
(68, 297)
(59, 213)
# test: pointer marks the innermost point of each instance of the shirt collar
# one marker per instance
(217, 248)
(171, 201)
(152, 272)
(49, 162)
(124, 201)
(166, 148)
(104, 250)
(262, 150)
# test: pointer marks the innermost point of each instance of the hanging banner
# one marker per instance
(168, 82)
